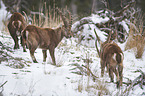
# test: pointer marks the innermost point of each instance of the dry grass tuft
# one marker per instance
(94, 86)
(98, 88)
(136, 37)
(48, 17)
(80, 85)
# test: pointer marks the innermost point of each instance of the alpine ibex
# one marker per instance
(112, 57)
(16, 24)
(46, 38)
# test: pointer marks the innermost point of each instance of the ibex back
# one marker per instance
(16, 24)
(46, 38)
(112, 57)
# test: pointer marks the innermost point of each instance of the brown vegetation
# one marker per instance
(136, 37)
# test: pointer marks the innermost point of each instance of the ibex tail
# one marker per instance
(118, 58)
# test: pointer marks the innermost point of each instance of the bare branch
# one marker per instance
(63, 17)
(120, 12)
(94, 76)
(98, 39)
(3, 84)
(139, 80)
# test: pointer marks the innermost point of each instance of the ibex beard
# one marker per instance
(112, 58)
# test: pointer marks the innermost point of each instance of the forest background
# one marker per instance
(81, 8)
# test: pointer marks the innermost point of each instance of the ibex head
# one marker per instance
(17, 24)
(66, 28)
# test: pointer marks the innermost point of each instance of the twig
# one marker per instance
(140, 71)
(5, 47)
(98, 39)
(139, 80)
(94, 76)
(3, 84)
(120, 12)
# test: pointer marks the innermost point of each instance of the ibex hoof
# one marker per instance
(118, 84)
(16, 47)
(112, 80)
(35, 61)
(102, 74)
(24, 51)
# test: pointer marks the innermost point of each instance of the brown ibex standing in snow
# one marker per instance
(46, 38)
(16, 24)
(112, 57)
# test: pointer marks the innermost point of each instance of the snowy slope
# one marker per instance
(44, 79)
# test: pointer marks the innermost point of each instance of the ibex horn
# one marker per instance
(70, 19)
(63, 18)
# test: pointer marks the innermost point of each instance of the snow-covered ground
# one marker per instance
(44, 79)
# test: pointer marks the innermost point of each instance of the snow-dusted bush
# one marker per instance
(84, 29)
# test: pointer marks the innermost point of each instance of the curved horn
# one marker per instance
(70, 19)
(63, 18)
(13, 24)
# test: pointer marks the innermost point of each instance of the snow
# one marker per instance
(97, 19)
(44, 79)
(4, 15)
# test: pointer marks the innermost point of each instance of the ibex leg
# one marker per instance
(111, 74)
(116, 73)
(21, 41)
(33, 57)
(102, 68)
(24, 48)
(51, 51)
(32, 49)
(23, 45)
(16, 46)
(44, 55)
(120, 69)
